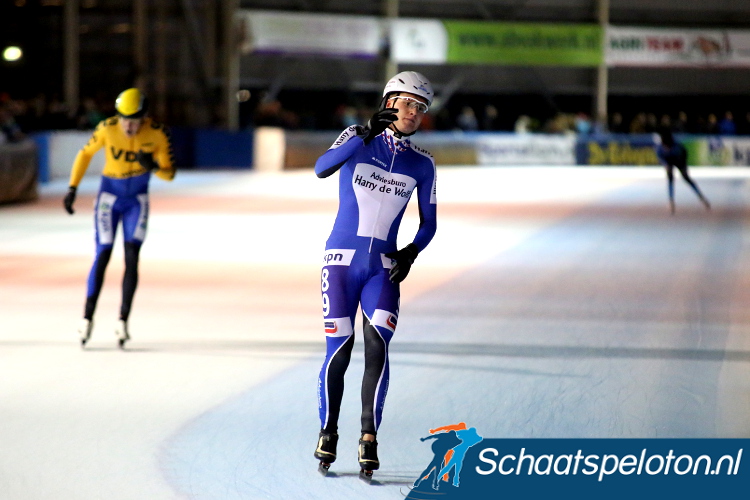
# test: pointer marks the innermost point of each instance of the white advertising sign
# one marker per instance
(335, 35)
(724, 151)
(418, 41)
(677, 47)
(64, 146)
(526, 149)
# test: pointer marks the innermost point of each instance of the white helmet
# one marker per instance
(412, 82)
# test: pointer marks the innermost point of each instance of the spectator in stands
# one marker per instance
(270, 113)
(665, 122)
(638, 124)
(560, 124)
(726, 125)
(700, 125)
(346, 116)
(616, 124)
(11, 132)
(88, 115)
(489, 120)
(651, 123)
(58, 115)
(33, 118)
(467, 120)
(712, 124)
(744, 126)
(680, 125)
(523, 125)
(443, 119)
(582, 123)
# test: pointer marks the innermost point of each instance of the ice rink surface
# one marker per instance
(553, 302)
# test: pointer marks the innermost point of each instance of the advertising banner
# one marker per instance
(418, 41)
(719, 151)
(322, 34)
(525, 149)
(677, 47)
(616, 149)
(524, 43)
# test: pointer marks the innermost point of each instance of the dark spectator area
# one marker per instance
(309, 110)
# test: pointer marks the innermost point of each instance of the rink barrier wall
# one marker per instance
(274, 149)
(193, 148)
(499, 148)
(19, 172)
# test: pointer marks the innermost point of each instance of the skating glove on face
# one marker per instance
(404, 259)
(379, 122)
(147, 160)
(69, 199)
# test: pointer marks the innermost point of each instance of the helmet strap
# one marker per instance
(383, 101)
(398, 133)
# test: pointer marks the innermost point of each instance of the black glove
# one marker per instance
(404, 259)
(147, 160)
(69, 199)
(379, 122)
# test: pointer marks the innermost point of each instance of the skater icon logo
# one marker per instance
(443, 473)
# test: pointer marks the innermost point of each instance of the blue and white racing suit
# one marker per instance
(376, 182)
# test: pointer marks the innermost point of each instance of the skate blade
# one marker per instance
(365, 475)
(323, 468)
(121, 344)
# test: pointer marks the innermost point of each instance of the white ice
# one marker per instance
(553, 302)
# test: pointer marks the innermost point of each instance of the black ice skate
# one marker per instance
(368, 459)
(326, 451)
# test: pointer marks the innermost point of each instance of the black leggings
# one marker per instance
(684, 172)
(376, 353)
(129, 280)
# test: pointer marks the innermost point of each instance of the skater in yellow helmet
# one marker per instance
(135, 147)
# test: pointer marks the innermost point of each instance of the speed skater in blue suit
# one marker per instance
(379, 170)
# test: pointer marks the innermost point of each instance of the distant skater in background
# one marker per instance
(379, 170)
(135, 147)
(672, 155)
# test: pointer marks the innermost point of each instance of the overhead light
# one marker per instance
(243, 95)
(12, 53)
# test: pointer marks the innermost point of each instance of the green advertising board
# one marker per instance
(476, 42)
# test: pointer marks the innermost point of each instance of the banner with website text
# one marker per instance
(477, 42)
(463, 464)
(665, 47)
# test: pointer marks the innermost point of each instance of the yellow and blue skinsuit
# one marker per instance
(122, 197)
